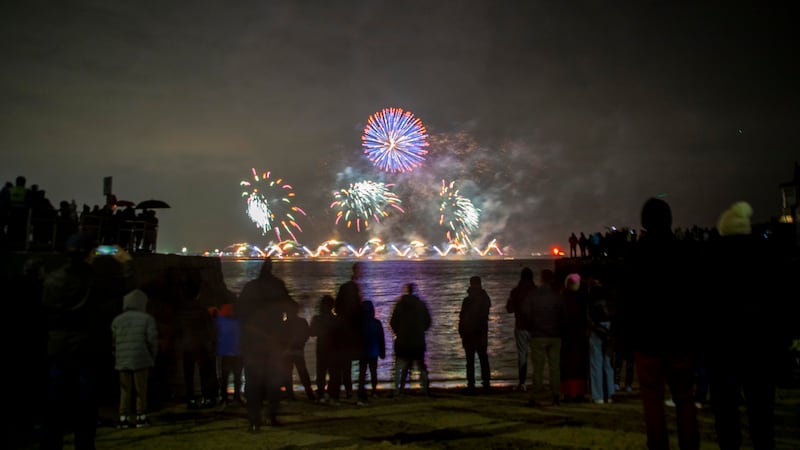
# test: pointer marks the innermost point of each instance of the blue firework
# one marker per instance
(394, 140)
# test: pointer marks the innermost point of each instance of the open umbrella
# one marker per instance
(122, 203)
(152, 204)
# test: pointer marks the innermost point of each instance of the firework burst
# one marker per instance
(395, 140)
(364, 201)
(269, 204)
(457, 213)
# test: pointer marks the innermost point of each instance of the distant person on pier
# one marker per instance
(262, 306)
(410, 320)
(374, 347)
(583, 243)
(473, 328)
(516, 305)
(17, 226)
(573, 246)
(348, 308)
(546, 317)
(80, 300)
(656, 318)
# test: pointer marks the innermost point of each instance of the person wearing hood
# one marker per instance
(374, 347)
(658, 287)
(742, 341)
(473, 327)
(135, 346)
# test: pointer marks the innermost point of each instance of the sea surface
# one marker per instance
(442, 285)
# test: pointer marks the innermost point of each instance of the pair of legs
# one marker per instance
(370, 364)
(296, 360)
(732, 380)
(477, 344)
(262, 383)
(601, 374)
(522, 339)
(197, 357)
(230, 366)
(655, 372)
(326, 368)
(71, 396)
(403, 367)
(133, 392)
(546, 349)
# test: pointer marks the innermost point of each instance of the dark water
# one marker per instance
(442, 285)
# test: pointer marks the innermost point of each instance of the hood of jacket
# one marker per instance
(135, 300)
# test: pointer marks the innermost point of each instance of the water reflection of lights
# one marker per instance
(373, 248)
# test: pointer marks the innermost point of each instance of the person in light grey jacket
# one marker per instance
(135, 345)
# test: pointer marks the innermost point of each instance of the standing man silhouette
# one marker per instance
(516, 304)
(263, 306)
(473, 327)
(347, 307)
(573, 246)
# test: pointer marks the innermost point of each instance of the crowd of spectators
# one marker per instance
(30, 222)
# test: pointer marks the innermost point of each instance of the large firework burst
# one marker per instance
(457, 213)
(364, 201)
(395, 140)
(269, 204)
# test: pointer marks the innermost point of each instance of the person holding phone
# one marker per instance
(80, 299)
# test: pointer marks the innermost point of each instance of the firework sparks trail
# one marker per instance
(269, 204)
(457, 213)
(364, 201)
(395, 140)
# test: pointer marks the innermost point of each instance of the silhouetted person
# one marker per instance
(298, 333)
(574, 346)
(583, 243)
(66, 225)
(743, 324)
(196, 338)
(658, 291)
(229, 333)
(374, 346)
(516, 304)
(601, 372)
(409, 322)
(80, 300)
(18, 220)
(325, 327)
(573, 246)
(546, 317)
(262, 305)
(348, 308)
(473, 328)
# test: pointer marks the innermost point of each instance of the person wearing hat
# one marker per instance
(80, 299)
(742, 343)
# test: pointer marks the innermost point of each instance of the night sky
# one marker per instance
(552, 117)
